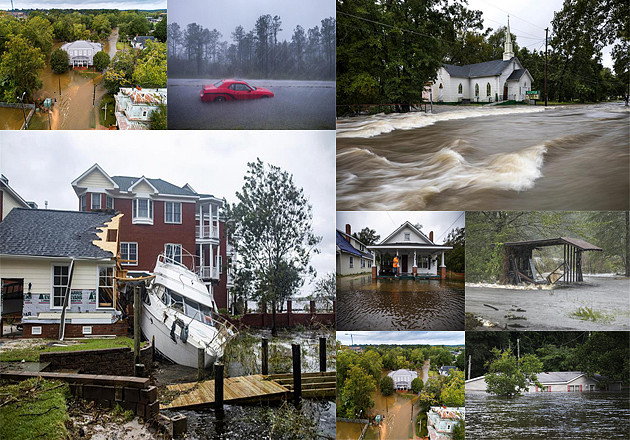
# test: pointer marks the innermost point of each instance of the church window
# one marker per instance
(476, 89)
(488, 90)
(460, 89)
(441, 87)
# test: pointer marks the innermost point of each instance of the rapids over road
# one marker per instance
(473, 158)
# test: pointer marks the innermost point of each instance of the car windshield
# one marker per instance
(218, 84)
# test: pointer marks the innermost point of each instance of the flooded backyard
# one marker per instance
(566, 416)
(604, 302)
(366, 304)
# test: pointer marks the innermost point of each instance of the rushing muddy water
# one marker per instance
(566, 416)
(364, 304)
(12, 118)
(569, 157)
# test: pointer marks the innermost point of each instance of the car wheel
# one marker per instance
(220, 99)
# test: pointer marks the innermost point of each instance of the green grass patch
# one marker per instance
(31, 354)
(33, 409)
(108, 118)
(122, 45)
(589, 314)
(421, 425)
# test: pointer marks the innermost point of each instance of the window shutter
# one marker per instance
(568, 387)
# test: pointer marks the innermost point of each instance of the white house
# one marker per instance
(140, 42)
(442, 421)
(496, 80)
(81, 52)
(352, 255)
(418, 256)
(49, 257)
(445, 370)
(558, 381)
(10, 199)
(402, 378)
(134, 107)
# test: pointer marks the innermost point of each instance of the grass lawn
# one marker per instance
(32, 409)
(433, 373)
(121, 45)
(31, 354)
(109, 118)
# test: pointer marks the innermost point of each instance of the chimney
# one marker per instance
(431, 236)
(348, 229)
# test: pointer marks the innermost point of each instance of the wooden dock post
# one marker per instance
(201, 363)
(297, 373)
(218, 385)
(153, 348)
(265, 356)
(322, 355)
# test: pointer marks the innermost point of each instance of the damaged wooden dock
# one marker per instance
(250, 389)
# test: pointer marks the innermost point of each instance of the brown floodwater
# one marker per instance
(471, 158)
(11, 118)
(366, 304)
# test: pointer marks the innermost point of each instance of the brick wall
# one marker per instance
(109, 361)
(51, 331)
(288, 319)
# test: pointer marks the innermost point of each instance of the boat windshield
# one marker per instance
(199, 312)
(187, 306)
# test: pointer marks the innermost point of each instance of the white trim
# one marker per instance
(100, 200)
(36, 330)
(52, 284)
(121, 255)
(174, 245)
(150, 210)
(92, 168)
(38, 257)
(15, 195)
(143, 179)
(98, 285)
(413, 228)
(173, 212)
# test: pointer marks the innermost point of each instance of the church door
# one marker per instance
(505, 92)
(441, 92)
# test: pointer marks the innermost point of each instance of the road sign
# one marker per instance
(533, 94)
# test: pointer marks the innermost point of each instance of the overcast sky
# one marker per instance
(402, 338)
(528, 20)
(224, 16)
(84, 4)
(41, 166)
(385, 222)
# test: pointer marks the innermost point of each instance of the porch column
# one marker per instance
(415, 263)
(442, 268)
(211, 260)
(374, 267)
(442, 265)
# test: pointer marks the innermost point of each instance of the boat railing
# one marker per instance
(163, 258)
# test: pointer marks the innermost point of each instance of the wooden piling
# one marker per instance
(137, 306)
(297, 373)
(201, 363)
(153, 348)
(218, 385)
(265, 356)
(322, 354)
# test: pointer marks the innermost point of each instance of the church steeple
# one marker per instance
(508, 52)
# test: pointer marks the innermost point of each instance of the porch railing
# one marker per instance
(206, 231)
(208, 272)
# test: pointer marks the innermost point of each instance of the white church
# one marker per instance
(496, 80)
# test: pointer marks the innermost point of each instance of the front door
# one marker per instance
(11, 299)
(403, 264)
(505, 92)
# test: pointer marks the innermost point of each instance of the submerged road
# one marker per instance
(471, 158)
(297, 105)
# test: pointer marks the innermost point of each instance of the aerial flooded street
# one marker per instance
(297, 105)
(533, 416)
(364, 304)
(552, 309)
(519, 157)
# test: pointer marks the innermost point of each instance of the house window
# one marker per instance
(173, 252)
(218, 260)
(60, 283)
(362, 263)
(476, 89)
(96, 201)
(83, 203)
(129, 252)
(407, 236)
(109, 202)
(369, 263)
(105, 287)
(488, 90)
(424, 262)
(460, 89)
(351, 262)
(361, 247)
(142, 211)
(172, 212)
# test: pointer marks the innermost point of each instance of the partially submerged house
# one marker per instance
(441, 421)
(135, 105)
(352, 255)
(519, 266)
(81, 52)
(62, 263)
(418, 256)
(402, 378)
(558, 381)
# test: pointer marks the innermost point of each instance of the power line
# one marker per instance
(449, 228)
(514, 15)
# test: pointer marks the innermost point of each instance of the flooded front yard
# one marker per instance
(12, 118)
(567, 416)
(366, 304)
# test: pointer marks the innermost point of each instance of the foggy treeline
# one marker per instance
(258, 53)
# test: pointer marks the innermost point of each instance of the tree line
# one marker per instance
(257, 53)
(488, 230)
(388, 51)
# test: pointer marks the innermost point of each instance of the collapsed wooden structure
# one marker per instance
(519, 267)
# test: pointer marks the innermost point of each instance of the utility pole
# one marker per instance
(546, 42)
(469, 362)
(518, 349)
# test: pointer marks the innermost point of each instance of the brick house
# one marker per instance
(160, 217)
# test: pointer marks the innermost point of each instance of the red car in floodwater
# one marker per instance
(232, 90)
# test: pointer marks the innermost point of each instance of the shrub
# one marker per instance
(59, 61)
(387, 386)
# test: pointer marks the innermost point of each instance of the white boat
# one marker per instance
(181, 314)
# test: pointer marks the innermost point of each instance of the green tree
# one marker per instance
(367, 236)
(20, 67)
(459, 431)
(326, 288)
(150, 70)
(453, 389)
(460, 361)
(101, 25)
(101, 60)
(356, 394)
(433, 387)
(371, 362)
(59, 61)
(387, 386)
(441, 358)
(417, 385)
(120, 71)
(606, 353)
(160, 31)
(346, 359)
(508, 376)
(271, 228)
(455, 259)
(39, 32)
(159, 119)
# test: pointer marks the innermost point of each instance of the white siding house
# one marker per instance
(352, 256)
(9, 198)
(81, 53)
(557, 382)
(402, 378)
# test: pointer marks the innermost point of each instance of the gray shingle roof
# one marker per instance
(558, 376)
(50, 233)
(488, 68)
(163, 187)
(516, 75)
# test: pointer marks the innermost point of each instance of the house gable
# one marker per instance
(95, 177)
(407, 233)
(143, 186)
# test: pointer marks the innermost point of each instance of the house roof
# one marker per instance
(578, 243)
(344, 246)
(4, 186)
(143, 96)
(403, 371)
(488, 68)
(516, 75)
(163, 187)
(556, 377)
(447, 368)
(143, 38)
(413, 228)
(51, 233)
(82, 44)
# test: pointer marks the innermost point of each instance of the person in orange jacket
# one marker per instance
(395, 265)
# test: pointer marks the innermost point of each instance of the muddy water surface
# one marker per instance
(571, 157)
(364, 304)
(11, 118)
(537, 416)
